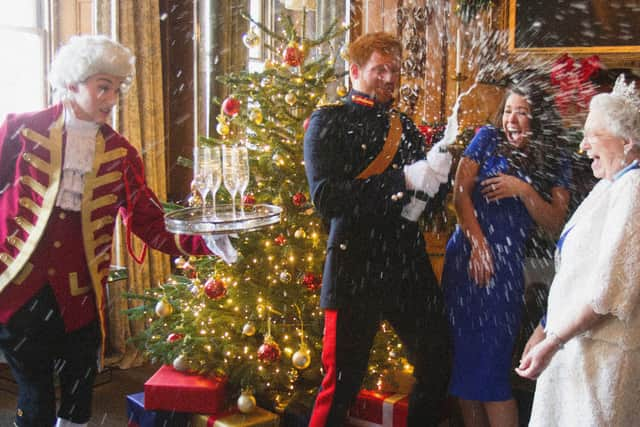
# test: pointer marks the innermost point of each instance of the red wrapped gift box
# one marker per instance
(373, 409)
(171, 390)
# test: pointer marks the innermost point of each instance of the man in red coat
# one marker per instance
(64, 176)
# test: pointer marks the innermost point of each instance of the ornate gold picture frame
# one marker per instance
(609, 28)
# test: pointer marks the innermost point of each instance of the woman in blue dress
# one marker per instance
(508, 181)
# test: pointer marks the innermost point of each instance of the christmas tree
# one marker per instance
(258, 321)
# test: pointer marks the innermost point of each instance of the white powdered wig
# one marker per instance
(87, 55)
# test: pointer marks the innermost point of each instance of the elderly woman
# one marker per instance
(587, 357)
(64, 176)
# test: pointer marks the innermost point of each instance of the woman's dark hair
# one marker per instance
(542, 156)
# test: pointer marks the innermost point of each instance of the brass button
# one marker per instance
(62, 215)
(343, 246)
(400, 195)
(57, 244)
(51, 272)
(394, 197)
(26, 156)
(19, 412)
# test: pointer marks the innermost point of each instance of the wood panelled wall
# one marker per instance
(71, 17)
(178, 37)
(438, 86)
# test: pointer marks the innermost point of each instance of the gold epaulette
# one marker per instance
(323, 103)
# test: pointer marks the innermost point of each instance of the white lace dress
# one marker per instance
(595, 379)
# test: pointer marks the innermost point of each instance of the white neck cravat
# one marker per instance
(78, 159)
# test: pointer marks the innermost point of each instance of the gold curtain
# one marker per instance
(141, 121)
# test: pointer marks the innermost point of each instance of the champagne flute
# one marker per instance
(243, 174)
(202, 157)
(214, 175)
(230, 173)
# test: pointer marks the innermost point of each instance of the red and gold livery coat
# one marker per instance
(31, 159)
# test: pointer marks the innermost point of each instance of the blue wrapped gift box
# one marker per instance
(137, 416)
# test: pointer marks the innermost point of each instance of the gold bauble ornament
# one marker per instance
(180, 262)
(290, 98)
(265, 82)
(278, 159)
(255, 115)
(249, 329)
(269, 64)
(341, 90)
(344, 53)
(285, 277)
(250, 39)
(246, 402)
(301, 359)
(194, 200)
(222, 129)
(163, 308)
(300, 233)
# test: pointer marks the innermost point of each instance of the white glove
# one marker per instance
(66, 423)
(419, 176)
(440, 161)
(221, 246)
(413, 209)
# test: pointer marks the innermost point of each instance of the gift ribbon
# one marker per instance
(388, 407)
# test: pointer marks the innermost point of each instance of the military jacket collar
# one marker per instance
(365, 101)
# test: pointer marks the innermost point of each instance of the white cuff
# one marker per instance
(440, 163)
(66, 423)
(431, 182)
(413, 209)
(221, 246)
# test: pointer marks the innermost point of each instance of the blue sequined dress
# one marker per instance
(485, 321)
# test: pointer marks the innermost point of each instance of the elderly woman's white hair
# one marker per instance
(87, 55)
(620, 109)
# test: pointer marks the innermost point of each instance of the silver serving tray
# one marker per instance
(195, 221)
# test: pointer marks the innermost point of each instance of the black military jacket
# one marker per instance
(368, 237)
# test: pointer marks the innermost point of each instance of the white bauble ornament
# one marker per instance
(181, 363)
(246, 402)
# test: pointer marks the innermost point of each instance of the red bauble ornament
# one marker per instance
(215, 288)
(249, 199)
(173, 337)
(269, 351)
(231, 106)
(305, 124)
(431, 133)
(299, 199)
(292, 55)
(311, 281)
(280, 240)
